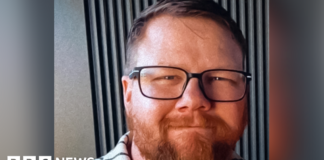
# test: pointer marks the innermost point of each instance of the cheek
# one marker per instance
(149, 111)
(232, 113)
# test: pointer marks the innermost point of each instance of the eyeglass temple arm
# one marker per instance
(249, 77)
(133, 74)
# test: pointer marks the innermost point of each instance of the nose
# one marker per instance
(193, 98)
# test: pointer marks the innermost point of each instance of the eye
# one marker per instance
(168, 77)
(218, 78)
(168, 80)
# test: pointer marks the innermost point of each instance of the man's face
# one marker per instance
(195, 45)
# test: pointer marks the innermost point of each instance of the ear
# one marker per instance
(127, 91)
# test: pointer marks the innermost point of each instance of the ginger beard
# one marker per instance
(218, 143)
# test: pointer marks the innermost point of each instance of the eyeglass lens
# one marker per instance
(170, 83)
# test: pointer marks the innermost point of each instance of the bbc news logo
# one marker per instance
(45, 158)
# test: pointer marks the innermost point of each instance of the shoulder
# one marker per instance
(120, 151)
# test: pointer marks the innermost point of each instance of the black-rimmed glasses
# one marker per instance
(166, 83)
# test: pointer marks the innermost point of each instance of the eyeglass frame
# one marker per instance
(137, 70)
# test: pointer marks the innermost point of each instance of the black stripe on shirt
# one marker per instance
(125, 154)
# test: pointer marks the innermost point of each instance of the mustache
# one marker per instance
(199, 121)
(217, 125)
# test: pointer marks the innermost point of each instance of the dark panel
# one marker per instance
(137, 7)
(129, 14)
(233, 10)
(260, 81)
(252, 70)
(121, 31)
(108, 108)
(224, 3)
(116, 70)
(242, 16)
(242, 23)
(95, 76)
(146, 3)
(267, 78)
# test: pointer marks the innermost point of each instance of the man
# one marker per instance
(184, 85)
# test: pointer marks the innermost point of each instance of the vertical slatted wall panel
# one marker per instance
(96, 85)
(251, 68)
(108, 109)
(116, 67)
(260, 81)
(108, 22)
(267, 78)
(95, 75)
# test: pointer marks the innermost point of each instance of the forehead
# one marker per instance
(192, 43)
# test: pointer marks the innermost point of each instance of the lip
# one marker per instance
(202, 127)
(193, 127)
(187, 129)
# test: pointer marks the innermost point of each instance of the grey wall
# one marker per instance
(74, 126)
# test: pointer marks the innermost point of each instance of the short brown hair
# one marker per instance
(179, 8)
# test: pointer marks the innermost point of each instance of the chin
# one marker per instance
(196, 146)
